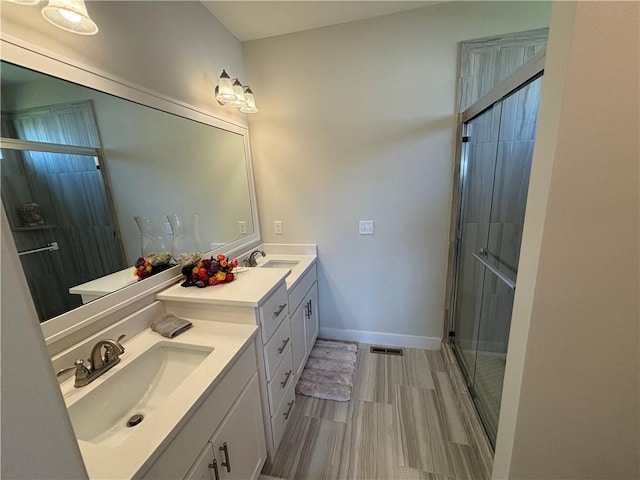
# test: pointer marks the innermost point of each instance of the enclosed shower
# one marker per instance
(498, 134)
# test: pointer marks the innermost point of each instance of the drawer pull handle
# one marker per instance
(280, 309)
(226, 463)
(284, 345)
(214, 465)
(286, 378)
(306, 310)
(288, 412)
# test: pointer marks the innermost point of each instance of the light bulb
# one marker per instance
(73, 17)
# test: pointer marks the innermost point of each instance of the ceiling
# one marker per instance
(251, 20)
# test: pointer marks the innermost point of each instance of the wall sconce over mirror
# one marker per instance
(232, 93)
(69, 15)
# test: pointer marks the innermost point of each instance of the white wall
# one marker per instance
(174, 48)
(570, 405)
(357, 122)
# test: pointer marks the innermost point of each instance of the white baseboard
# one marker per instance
(377, 338)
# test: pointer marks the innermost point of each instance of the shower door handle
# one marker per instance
(481, 257)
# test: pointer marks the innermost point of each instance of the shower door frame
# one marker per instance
(527, 73)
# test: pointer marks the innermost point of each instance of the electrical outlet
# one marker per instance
(367, 227)
(242, 227)
(277, 227)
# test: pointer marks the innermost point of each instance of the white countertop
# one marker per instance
(248, 288)
(149, 439)
(107, 284)
(305, 263)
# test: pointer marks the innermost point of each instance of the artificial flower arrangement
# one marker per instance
(152, 264)
(209, 272)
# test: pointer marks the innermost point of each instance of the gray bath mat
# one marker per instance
(329, 371)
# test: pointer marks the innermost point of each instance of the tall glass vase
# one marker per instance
(155, 246)
(186, 245)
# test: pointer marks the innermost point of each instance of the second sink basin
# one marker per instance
(101, 416)
(280, 264)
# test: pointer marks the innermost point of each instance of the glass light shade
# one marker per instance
(70, 15)
(239, 92)
(251, 103)
(224, 91)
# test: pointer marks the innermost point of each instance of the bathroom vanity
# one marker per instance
(280, 296)
(196, 393)
(213, 402)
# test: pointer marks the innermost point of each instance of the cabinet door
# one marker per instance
(311, 316)
(202, 469)
(299, 339)
(239, 444)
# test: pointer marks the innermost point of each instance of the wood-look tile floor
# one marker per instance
(405, 420)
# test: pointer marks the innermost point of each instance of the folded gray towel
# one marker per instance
(171, 326)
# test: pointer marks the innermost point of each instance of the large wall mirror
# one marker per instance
(78, 164)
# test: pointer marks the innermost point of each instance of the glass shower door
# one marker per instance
(495, 178)
(478, 167)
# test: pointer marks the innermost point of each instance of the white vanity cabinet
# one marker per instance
(227, 430)
(237, 449)
(277, 381)
(259, 296)
(303, 301)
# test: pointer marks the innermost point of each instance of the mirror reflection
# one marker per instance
(78, 166)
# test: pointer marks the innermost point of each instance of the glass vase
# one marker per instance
(186, 244)
(155, 246)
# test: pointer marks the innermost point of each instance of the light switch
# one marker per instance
(277, 227)
(367, 227)
(242, 227)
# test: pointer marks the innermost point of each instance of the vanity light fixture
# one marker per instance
(70, 15)
(232, 93)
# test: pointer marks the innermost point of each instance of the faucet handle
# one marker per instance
(81, 371)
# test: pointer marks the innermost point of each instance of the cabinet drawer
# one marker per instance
(277, 348)
(302, 287)
(273, 312)
(280, 419)
(280, 381)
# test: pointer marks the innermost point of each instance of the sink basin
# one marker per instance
(280, 264)
(101, 416)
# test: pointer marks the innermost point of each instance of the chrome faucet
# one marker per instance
(98, 364)
(250, 261)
